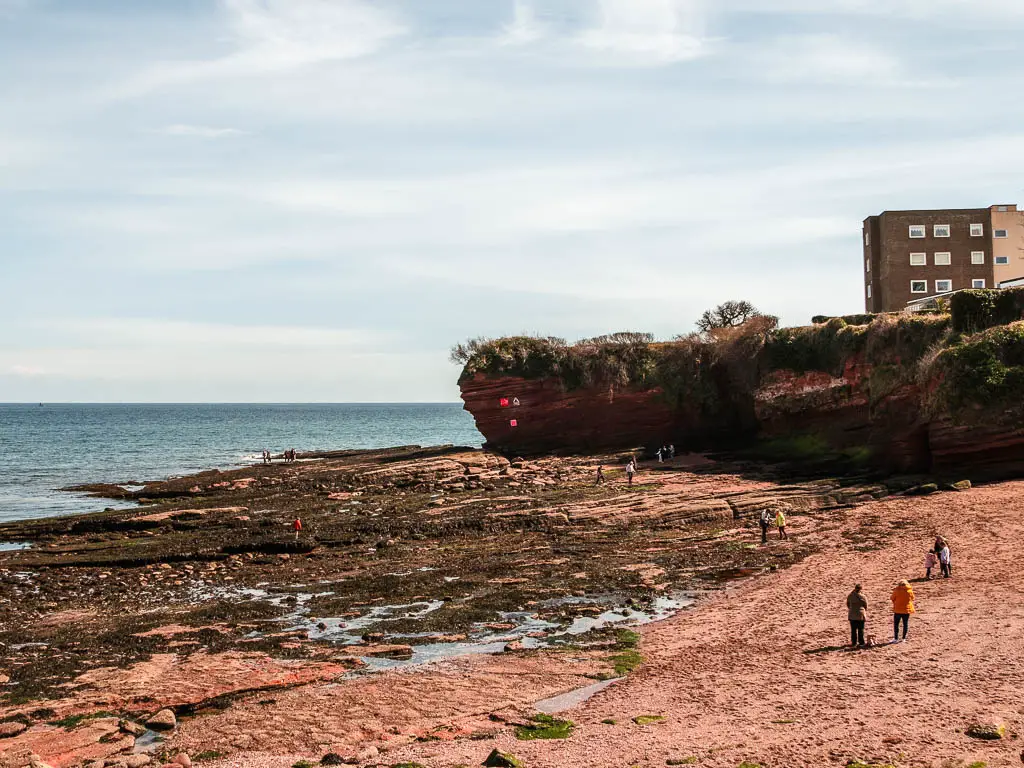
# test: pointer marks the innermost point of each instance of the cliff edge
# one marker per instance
(907, 393)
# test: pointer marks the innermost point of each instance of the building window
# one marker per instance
(1003, 208)
(1002, 259)
(869, 290)
(942, 230)
(978, 283)
(943, 286)
(919, 259)
(919, 286)
(1000, 234)
(977, 230)
(942, 259)
(867, 237)
(917, 232)
(977, 257)
(867, 265)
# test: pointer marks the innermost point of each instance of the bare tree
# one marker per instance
(727, 315)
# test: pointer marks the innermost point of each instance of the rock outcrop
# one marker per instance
(864, 396)
(522, 416)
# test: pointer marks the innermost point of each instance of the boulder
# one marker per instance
(332, 758)
(367, 755)
(182, 759)
(137, 761)
(131, 727)
(986, 732)
(7, 730)
(502, 760)
(164, 720)
(922, 490)
(962, 485)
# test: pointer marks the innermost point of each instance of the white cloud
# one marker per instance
(825, 58)
(275, 36)
(121, 332)
(946, 12)
(525, 27)
(26, 370)
(649, 31)
(200, 131)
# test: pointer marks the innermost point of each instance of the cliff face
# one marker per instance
(906, 393)
(524, 416)
(847, 412)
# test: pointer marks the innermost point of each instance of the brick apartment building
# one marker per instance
(915, 254)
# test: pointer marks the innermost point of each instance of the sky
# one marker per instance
(312, 200)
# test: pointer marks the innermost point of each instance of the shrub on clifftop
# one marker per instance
(983, 372)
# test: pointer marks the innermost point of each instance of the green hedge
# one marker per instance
(976, 310)
(984, 372)
(861, 319)
(824, 347)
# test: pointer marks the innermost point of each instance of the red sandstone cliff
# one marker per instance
(521, 416)
(852, 411)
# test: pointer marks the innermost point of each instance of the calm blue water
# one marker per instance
(53, 446)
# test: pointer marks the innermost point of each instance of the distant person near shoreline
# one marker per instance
(630, 471)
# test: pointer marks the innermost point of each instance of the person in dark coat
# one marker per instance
(857, 610)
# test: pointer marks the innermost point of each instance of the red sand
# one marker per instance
(735, 677)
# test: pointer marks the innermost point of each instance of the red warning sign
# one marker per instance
(514, 423)
(504, 402)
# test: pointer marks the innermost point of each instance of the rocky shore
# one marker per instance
(432, 600)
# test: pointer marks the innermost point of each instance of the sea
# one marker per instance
(44, 448)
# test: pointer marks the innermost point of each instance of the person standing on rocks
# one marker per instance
(902, 607)
(857, 609)
(630, 471)
(765, 521)
(297, 527)
(600, 475)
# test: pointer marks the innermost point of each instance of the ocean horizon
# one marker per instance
(54, 445)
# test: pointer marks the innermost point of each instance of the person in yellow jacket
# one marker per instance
(902, 607)
(780, 523)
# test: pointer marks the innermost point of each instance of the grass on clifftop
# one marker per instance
(980, 373)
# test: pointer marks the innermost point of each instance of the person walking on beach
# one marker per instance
(297, 527)
(671, 451)
(660, 453)
(945, 560)
(857, 609)
(765, 522)
(930, 561)
(780, 522)
(600, 475)
(630, 470)
(902, 607)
